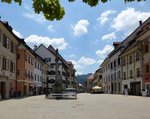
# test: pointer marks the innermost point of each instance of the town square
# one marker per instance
(86, 106)
(87, 59)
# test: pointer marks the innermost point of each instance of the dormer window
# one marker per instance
(47, 59)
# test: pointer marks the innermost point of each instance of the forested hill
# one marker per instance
(82, 78)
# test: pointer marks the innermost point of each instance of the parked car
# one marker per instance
(70, 93)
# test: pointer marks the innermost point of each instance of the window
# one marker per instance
(11, 66)
(114, 75)
(118, 74)
(26, 74)
(124, 75)
(4, 63)
(4, 41)
(11, 46)
(123, 61)
(137, 56)
(138, 73)
(118, 61)
(52, 66)
(0, 35)
(147, 68)
(26, 57)
(115, 63)
(18, 56)
(131, 74)
(111, 65)
(35, 64)
(111, 76)
(7, 64)
(35, 77)
(38, 77)
(146, 48)
(29, 74)
(38, 65)
(130, 59)
(47, 59)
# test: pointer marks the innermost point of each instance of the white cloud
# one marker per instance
(37, 17)
(50, 28)
(109, 36)
(86, 61)
(104, 52)
(81, 27)
(104, 16)
(17, 33)
(77, 66)
(128, 20)
(37, 40)
(100, 61)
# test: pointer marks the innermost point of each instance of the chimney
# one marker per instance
(140, 23)
(35, 47)
(116, 44)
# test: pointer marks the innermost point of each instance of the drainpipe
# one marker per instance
(16, 70)
(142, 60)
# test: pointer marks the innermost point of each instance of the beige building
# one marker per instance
(89, 84)
(8, 50)
(106, 76)
(97, 81)
(131, 68)
(135, 63)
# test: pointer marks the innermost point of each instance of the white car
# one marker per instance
(70, 93)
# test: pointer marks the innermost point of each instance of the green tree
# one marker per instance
(52, 9)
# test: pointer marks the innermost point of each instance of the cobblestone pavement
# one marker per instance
(87, 106)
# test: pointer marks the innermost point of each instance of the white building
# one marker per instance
(49, 55)
(38, 63)
(115, 69)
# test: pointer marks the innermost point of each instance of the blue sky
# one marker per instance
(85, 35)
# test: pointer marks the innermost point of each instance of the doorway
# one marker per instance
(3, 90)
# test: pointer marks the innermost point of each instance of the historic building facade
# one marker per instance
(8, 50)
(131, 68)
(25, 70)
(133, 58)
(106, 76)
(50, 56)
(144, 38)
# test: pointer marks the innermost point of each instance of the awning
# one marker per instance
(97, 87)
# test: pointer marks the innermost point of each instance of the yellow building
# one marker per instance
(131, 68)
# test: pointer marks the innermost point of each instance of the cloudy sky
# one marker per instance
(85, 34)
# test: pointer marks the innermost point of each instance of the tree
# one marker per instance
(53, 10)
